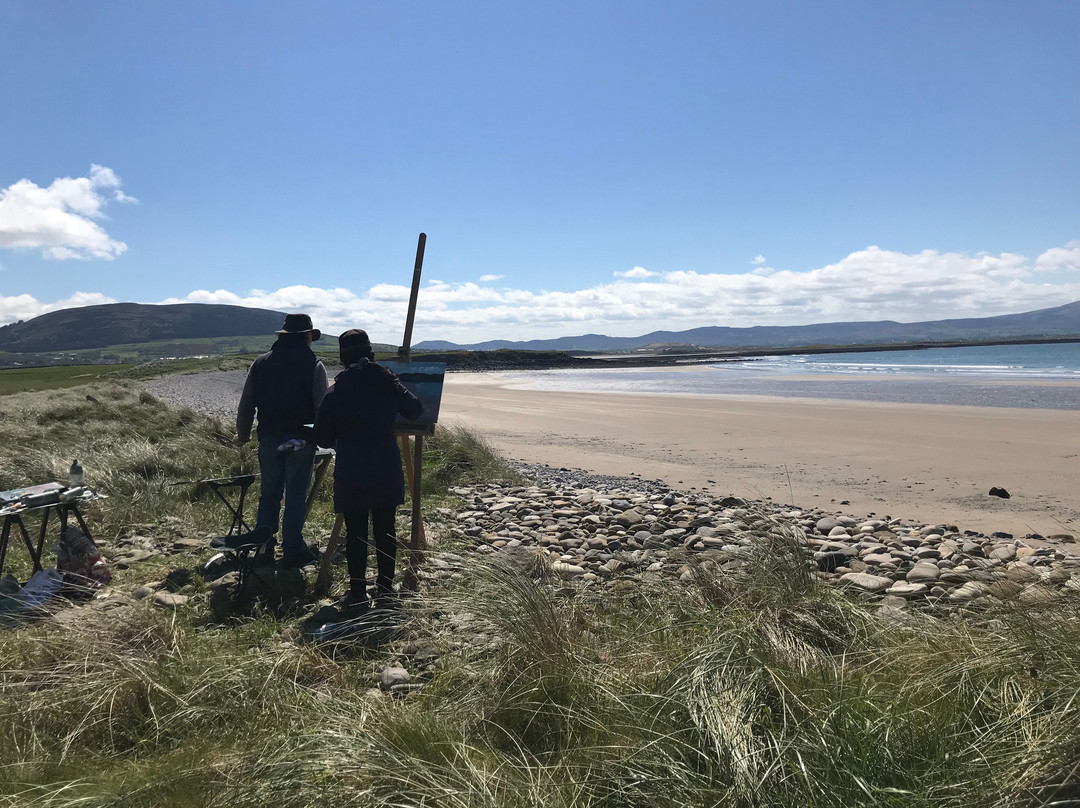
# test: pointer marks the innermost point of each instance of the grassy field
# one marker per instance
(764, 690)
(19, 380)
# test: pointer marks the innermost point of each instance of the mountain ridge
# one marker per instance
(105, 325)
(1055, 322)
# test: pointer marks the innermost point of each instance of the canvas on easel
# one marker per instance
(425, 381)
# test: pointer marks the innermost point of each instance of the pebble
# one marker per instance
(393, 677)
(146, 590)
(907, 590)
(169, 600)
(864, 580)
(923, 572)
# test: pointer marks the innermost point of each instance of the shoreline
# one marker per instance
(717, 381)
(931, 462)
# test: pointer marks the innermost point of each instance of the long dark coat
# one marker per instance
(357, 419)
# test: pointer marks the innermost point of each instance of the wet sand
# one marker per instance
(925, 461)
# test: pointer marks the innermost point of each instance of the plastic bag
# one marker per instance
(42, 585)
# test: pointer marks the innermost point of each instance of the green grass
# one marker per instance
(761, 689)
(21, 380)
(455, 456)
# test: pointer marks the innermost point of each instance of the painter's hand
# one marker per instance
(236, 441)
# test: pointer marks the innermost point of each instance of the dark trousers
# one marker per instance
(356, 549)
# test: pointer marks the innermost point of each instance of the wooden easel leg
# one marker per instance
(322, 464)
(406, 452)
(414, 464)
(418, 541)
(414, 460)
(322, 583)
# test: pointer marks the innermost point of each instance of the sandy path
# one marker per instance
(934, 463)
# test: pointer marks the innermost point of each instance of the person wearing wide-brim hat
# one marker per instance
(284, 388)
(357, 419)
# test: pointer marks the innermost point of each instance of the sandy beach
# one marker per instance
(931, 462)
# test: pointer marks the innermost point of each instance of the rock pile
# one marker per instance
(598, 536)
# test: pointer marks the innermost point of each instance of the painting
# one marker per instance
(425, 380)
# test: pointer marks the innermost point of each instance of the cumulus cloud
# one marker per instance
(25, 307)
(870, 284)
(63, 219)
(1059, 259)
(636, 272)
(489, 278)
(759, 260)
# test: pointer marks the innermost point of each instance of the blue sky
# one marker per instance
(578, 167)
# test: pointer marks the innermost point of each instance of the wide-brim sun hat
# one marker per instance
(299, 324)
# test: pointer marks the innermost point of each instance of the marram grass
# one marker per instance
(767, 690)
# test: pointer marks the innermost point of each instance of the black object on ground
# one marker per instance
(245, 547)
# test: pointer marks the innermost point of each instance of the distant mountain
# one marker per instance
(128, 323)
(1062, 321)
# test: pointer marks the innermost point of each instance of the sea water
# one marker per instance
(1039, 376)
(989, 362)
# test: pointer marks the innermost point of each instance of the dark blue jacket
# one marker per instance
(357, 419)
(285, 386)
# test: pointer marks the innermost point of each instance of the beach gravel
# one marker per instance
(214, 393)
(604, 532)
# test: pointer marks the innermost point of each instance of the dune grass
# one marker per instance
(768, 689)
(455, 456)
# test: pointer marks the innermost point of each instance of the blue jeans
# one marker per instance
(287, 473)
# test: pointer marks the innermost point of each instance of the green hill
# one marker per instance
(91, 327)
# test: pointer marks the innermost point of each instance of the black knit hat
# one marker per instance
(299, 324)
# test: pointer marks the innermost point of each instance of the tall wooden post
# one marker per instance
(406, 343)
(414, 462)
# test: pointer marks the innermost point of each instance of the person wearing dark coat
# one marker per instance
(284, 387)
(357, 419)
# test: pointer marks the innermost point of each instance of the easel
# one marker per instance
(413, 455)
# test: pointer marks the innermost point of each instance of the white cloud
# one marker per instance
(489, 278)
(759, 260)
(870, 284)
(59, 219)
(636, 272)
(1059, 259)
(24, 307)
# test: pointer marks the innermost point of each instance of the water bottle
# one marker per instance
(75, 476)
